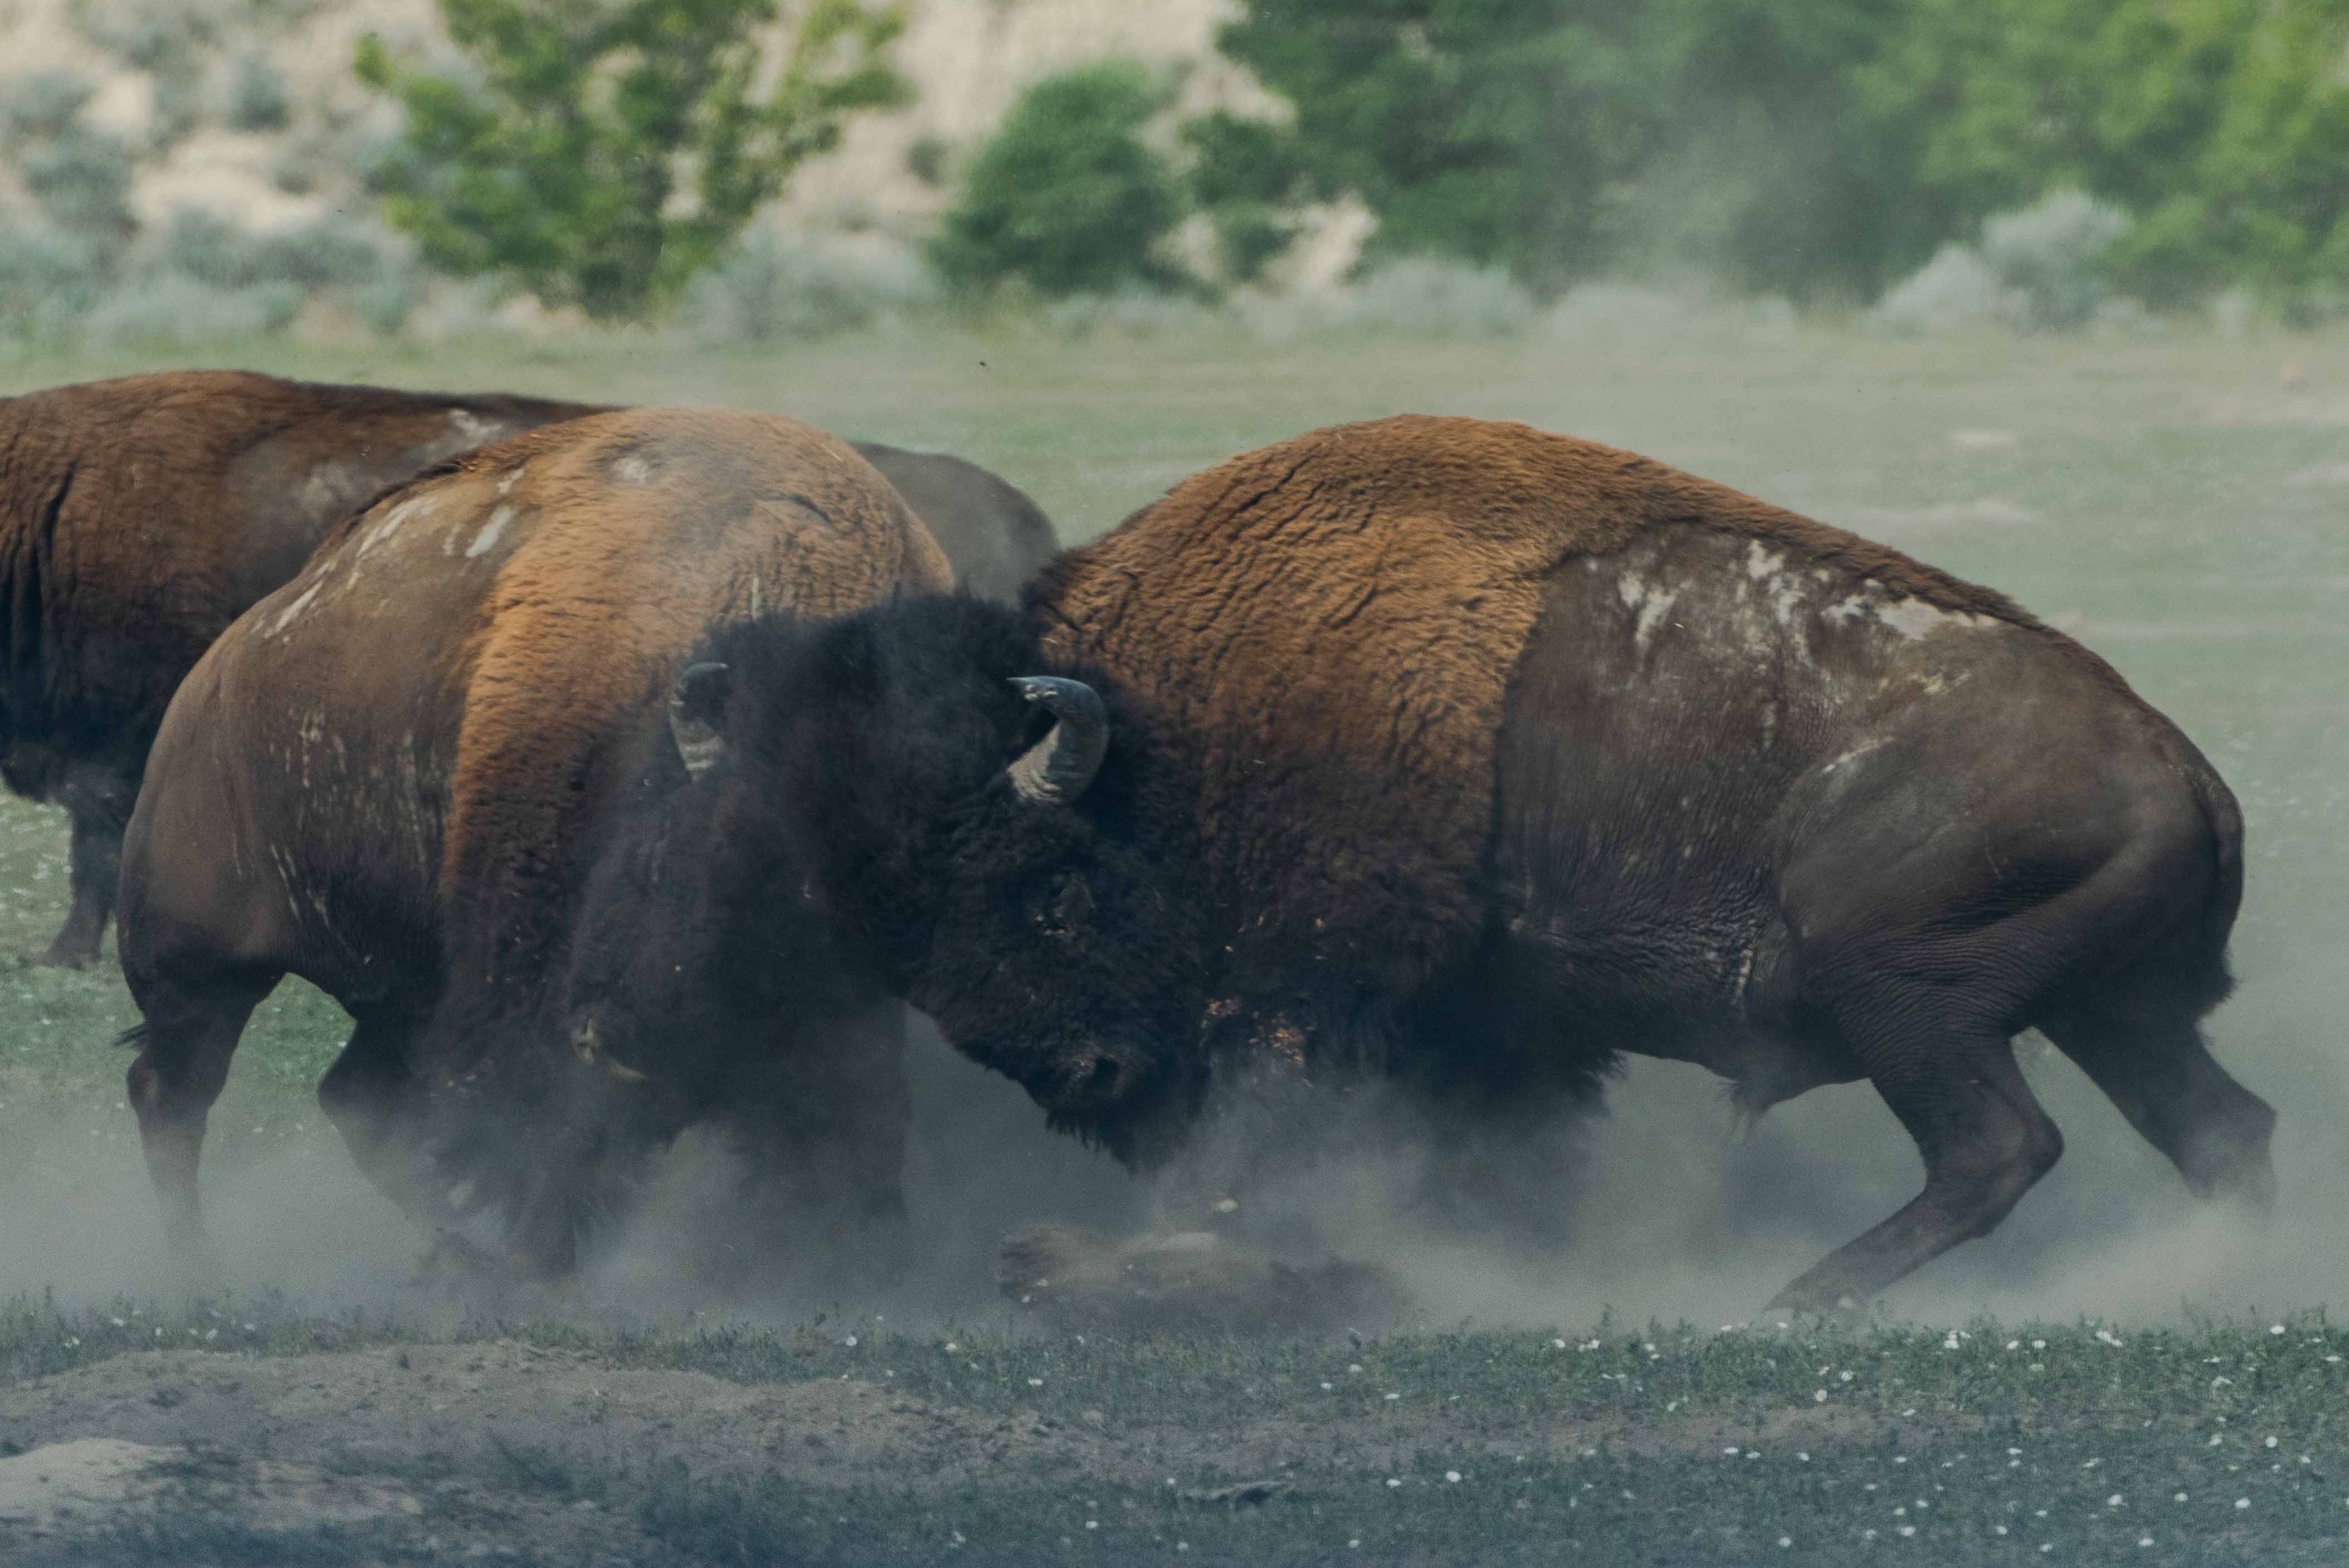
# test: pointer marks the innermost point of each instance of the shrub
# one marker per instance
(81, 178)
(44, 104)
(2055, 256)
(1066, 196)
(1955, 290)
(256, 95)
(775, 287)
(2045, 268)
(172, 311)
(1248, 177)
(47, 278)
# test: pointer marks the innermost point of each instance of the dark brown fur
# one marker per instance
(138, 517)
(393, 776)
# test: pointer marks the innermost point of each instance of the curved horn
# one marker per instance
(1056, 769)
(698, 697)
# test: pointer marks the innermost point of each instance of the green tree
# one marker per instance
(2222, 126)
(609, 149)
(1489, 129)
(1066, 194)
(1560, 138)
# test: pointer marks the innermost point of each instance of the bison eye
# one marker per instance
(1073, 903)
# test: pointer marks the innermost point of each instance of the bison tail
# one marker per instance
(2225, 896)
(134, 1037)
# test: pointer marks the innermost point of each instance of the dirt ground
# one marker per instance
(467, 1450)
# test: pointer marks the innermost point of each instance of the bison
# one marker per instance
(400, 774)
(141, 516)
(1470, 756)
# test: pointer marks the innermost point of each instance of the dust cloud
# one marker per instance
(1663, 1206)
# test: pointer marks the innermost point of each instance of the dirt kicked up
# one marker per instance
(239, 1433)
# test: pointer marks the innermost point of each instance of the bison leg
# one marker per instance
(372, 1097)
(185, 1044)
(1985, 1141)
(94, 867)
(2162, 1076)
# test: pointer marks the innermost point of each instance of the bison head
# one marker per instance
(989, 833)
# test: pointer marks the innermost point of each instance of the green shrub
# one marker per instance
(81, 178)
(2055, 256)
(1066, 196)
(44, 104)
(1247, 177)
(173, 310)
(48, 277)
(256, 95)
(775, 287)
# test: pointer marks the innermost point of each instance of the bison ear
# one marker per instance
(694, 705)
(1056, 769)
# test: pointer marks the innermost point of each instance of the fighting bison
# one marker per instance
(141, 516)
(1472, 756)
(400, 774)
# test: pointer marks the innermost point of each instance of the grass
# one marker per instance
(2169, 499)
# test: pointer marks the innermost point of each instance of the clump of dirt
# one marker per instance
(1177, 1279)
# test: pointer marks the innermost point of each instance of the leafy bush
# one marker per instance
(2054, 256)
(775, 287)
(2045, 268)
(256, 95)
(81, 178)
(48, 277)
(1955, 290)
(1247, 177)
(557, 169)
(44, 104)
(1066, 195)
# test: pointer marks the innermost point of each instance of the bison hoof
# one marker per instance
(64, 954)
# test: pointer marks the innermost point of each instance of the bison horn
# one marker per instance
(1056, 769)
(699, 697)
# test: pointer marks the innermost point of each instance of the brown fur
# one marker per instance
(139, 516)
(1342, 719)
(393, 775)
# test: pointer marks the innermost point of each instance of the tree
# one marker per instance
(1562, 138)
(2222, 126)
(1066, 194)
(1492, 130)
(609, 149)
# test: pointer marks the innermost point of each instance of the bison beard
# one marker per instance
(1471, 756)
